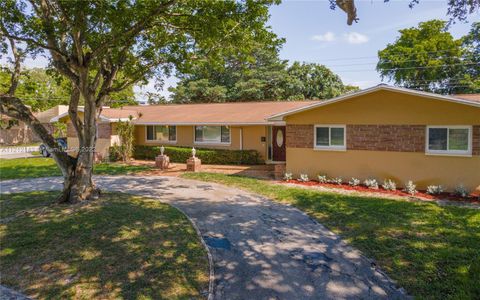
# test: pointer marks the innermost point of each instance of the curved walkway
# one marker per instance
(260, 249)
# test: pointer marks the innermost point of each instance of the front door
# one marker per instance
(278, 143)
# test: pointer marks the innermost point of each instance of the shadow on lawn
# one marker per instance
(116, 247)
(432, 251)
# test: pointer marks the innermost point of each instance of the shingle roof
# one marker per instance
(471, 97)
(213, 113)
(115, 113)
(107, 114)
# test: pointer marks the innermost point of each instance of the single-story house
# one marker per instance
(381, 132)
(231, 126)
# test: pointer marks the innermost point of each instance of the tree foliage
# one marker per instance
(429, 58)
(265, 77)
(102, 47)
(42, 89)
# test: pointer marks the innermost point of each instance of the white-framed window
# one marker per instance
(330, 137)
(449, 140)
(212, 134)
(161, 133)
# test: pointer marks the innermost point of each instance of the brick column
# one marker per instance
(162, 162)
(194, 164)
(279, 170)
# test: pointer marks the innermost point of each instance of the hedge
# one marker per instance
(208, 156)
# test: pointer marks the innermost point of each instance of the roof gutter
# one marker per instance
(275, 123)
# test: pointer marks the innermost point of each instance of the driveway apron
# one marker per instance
(260, 249)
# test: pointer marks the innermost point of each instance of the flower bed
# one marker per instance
(398, 192)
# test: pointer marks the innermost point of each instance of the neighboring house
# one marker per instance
(14, 132)
(381, 132)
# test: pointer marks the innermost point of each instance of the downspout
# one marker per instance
(241, 138)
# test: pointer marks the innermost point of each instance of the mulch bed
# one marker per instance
(419, 194)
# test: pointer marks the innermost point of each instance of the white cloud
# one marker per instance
(355, 38)
(326, 37)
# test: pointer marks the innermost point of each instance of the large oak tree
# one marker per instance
(91, 42)
(429, 58)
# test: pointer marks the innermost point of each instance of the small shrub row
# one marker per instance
(208, 156)
(388, 184)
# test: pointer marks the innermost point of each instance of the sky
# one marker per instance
(315, 33)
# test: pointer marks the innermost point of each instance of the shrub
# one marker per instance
(287, 176)
(322, 178)
(303, 178)
(371, 183)
(434, 189)
(208, 156)
(125, 131)
(336, 180)
(389, 185)
(410, 188)
(354, 181)
(461, 191)
(114, 153)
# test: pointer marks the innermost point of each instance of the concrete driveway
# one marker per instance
(260, 249)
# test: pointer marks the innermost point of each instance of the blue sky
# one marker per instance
(314, 33)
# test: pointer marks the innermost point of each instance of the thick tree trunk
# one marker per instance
(78, 184)
(77, 172)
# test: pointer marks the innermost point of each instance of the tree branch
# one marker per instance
(14, 108)
(16, 70)
(73, 113)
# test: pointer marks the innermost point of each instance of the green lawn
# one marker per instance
(119, 247)
(42, 167)
(432, 251)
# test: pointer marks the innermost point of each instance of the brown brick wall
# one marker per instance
(398, 138)
(476, 140)
(104, 130)
(299, 136)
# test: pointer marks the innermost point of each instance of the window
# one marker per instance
(330, 137)
(212, 134)
(161, 133)
(449, 140)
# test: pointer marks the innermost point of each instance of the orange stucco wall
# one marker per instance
(251, 138)
(386, 107)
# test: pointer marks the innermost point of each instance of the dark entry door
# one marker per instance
(278, 143)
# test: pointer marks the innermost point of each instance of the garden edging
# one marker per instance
(321, 188)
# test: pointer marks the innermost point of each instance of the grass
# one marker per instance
(430, 250)
(42, 167)
(119, 247)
